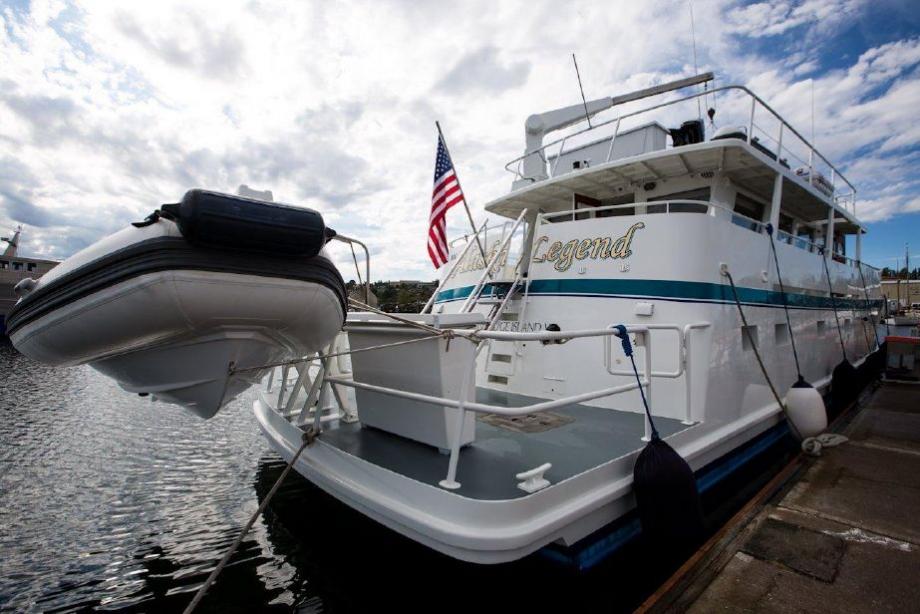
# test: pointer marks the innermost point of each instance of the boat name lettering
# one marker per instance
(599, 248)
(474, 262)
(519, 327)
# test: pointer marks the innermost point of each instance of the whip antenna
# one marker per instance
(582, 90)
(696, 68)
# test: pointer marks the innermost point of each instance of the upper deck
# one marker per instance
(750, 154)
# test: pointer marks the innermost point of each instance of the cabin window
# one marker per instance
(623, 199)
(688, 208)
(498, 379)
(805, 238)
(749, 208)
(822, 326)
(31, 266)
(677, 207)
(580, 201)
(4, 264)
(781, 332)
(17, 266)
(506, 358)
(785, 223)
(697, 194)
(749, 337)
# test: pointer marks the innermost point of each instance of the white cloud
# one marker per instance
(775, 18)
(106, 112)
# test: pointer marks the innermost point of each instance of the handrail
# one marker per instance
(573, 212)
(751, 224)
(489, 265)
(450, 273)
(367, 263)
(754, 101)
(482, 337)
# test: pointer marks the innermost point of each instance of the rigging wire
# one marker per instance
(830, 291)
(696, 69)
(782, 291)
(868, 306)
(308, 438)
(753, 342)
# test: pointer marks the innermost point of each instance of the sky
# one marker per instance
(108, 109)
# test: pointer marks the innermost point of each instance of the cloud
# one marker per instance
(769, 19)
(105, 113)
(21, 209)
(482, 70)
(189, 43)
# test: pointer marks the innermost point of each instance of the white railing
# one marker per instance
(683, 363)
(702, 207)
(501, 238)
(483, 337)
(501, 251)
(815, 164)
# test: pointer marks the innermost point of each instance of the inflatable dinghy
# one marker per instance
(170, 305)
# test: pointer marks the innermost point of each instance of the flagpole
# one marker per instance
(469, 215)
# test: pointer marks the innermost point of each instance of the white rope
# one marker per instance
(308, 438)
(813, 445)
(436, 333)
(297, 361)
(430, 329)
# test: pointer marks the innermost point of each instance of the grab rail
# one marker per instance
(482, 337)
(846, 200)
(477, 289)
(453, 268)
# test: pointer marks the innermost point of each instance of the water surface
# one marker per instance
(109, 501)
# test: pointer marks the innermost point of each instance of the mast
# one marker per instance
(10, 251)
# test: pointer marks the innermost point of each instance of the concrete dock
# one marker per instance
(837, 533)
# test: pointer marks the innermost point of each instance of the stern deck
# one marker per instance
(583, 438)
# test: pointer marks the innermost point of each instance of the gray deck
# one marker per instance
(487, 466)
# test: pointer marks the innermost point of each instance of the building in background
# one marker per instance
(13, 269)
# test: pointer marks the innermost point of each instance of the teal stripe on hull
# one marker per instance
(682, 291)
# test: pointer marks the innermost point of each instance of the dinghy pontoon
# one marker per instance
(167, 305)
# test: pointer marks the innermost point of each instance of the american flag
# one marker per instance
(446, 194)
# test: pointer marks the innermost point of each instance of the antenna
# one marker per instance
(582, 90)
(696, 69)
(812, 112)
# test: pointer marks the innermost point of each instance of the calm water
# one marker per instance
(111, 502)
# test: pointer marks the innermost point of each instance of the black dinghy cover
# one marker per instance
(212, 219)
(220, 233)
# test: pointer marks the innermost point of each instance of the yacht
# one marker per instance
(505, 418)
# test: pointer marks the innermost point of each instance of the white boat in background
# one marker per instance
(527, 436)
(13, 269)
(165, 307)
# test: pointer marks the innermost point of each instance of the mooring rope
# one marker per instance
(308, 438)
(430, 329)
(628, 350)
(868, 306)
(753, 343)
(297, 361)
(782, 290)
(830, 291)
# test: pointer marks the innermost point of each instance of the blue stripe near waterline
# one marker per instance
(591, 554)
(668, 290)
